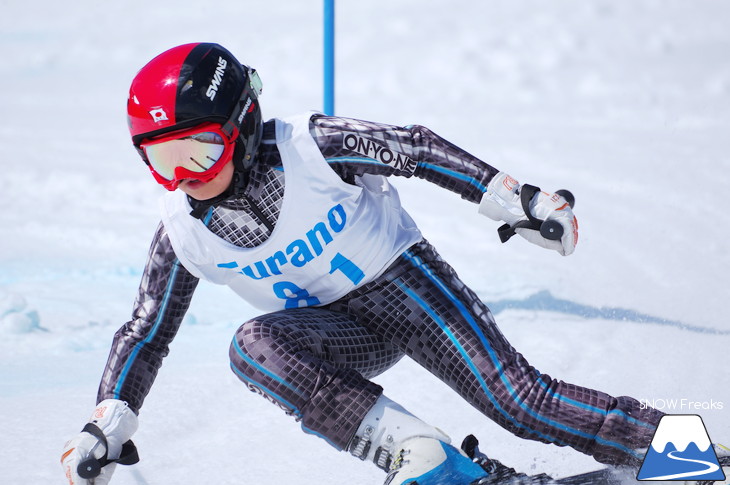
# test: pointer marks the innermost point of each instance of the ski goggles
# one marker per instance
(198, 153)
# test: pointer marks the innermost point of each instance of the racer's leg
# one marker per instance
(421, 305)
(314, 364)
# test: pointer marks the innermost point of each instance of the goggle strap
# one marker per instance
(229, 128)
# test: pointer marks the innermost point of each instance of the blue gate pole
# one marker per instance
(329, 57)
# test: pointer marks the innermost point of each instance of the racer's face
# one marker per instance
(207, 190)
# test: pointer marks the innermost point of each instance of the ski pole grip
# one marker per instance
(553, 230)
(89, 468)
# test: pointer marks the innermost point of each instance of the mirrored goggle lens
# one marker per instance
(196, 153)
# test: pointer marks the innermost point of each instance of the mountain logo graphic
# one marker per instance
(680, 450)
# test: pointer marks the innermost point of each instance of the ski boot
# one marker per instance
(413, 452)
(384, 428)
(428, 461)
(410, 450)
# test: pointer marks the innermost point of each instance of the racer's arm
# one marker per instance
(353, 148)
(135, 357)
(140, 345)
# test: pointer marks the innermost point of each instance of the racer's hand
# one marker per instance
(100, 445)
(503, 202)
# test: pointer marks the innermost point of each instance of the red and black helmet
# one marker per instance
(193, 84)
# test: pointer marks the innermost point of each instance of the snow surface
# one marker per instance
(625, 102)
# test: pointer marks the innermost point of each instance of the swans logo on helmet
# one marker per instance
(158, 115)
(245, 110)
(220, 70)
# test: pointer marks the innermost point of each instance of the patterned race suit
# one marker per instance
(315, 362)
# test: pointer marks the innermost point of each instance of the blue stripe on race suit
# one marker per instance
(418, 263)
(295, 411)
(265, 371)
(425, 165)
(635, 421)
(363, 160)
(594, 409)
(153, 332)
(469, 362)
(453, 174)
(158, 321)
(292, 408)
(208, 217)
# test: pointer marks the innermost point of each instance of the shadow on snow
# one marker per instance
(545, 301)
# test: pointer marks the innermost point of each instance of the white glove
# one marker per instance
(503, 202)
(111, 426)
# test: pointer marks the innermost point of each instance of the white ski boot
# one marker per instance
(411, 451)
(384, 428)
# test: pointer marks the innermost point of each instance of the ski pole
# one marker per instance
(89, 468)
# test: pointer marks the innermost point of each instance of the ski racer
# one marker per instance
(297, 216)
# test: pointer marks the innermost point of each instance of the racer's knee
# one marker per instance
(252, 343)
